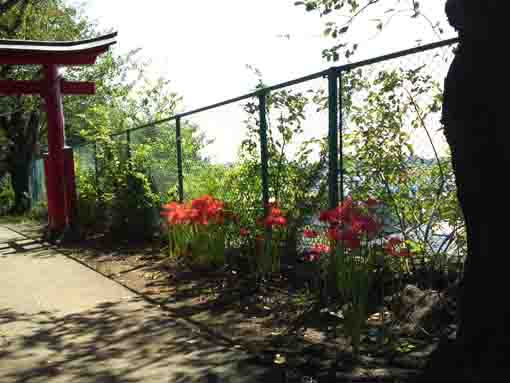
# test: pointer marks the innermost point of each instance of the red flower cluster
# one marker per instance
(201, 211)
(316, 252)
(320, 249)
(396, 248)
(307, 233)
(349, 224)
(275, 217)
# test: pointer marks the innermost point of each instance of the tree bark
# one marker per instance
(23, 131)
(478, 142)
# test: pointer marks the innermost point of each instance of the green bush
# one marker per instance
(6, 195)
(121, 198)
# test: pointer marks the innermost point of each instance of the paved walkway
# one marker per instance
(62, 322)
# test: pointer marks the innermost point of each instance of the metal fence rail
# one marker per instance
(337, 126)
(334, 76)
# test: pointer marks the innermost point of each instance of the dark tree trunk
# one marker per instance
(23, 131)
(478, 140)
(20, 179)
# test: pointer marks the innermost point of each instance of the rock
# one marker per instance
(415, 359)
(422, 311)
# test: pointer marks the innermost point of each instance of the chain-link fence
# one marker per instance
(393, 148)
(369, 129)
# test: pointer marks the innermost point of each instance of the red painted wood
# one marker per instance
(77, 87)
(51, 58)
(19, 87)
(23, 87)
(50, 191)
(71, 197)
(56, 165)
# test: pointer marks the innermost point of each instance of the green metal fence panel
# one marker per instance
(393, 147)
(373, 125)
(37, 183)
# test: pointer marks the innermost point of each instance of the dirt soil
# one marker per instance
(276, 322)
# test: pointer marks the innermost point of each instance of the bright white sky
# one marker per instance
(203, 47)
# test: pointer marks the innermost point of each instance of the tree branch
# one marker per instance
(5, 6)
(11, 29)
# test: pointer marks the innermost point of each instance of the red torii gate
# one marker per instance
(59, 168)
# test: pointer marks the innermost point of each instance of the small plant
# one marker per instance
(357, 250)
(196, 230)
(275, 223)
(6, 194)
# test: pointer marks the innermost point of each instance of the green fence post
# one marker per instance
(96, 167)
(180, 177)
(264, 158)
(128, 148)
(333, 138)
(333, 277)
(341, 136)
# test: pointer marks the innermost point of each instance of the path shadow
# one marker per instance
(116, 342)
(27, 247)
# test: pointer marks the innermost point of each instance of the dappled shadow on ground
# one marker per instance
(115, 342)
(267, 320)
(225, 305)
(27, 247)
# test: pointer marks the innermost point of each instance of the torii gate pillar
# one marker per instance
(55, 170)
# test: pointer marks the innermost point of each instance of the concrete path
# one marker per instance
(62, 322)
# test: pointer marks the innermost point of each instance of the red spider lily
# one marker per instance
(310, 233)
(349, 238)
(178, 216)
(320, 249)
(346, 210)
(344, 213)
(330, 216)
(210, 210)
(202, 202)
(365, 224)
(201, 211)
(244, 232)
(353, 223)
(336, 234)
(215, 213)
(275, 221)
(175, 213)
(274, 218)
(275, 212)
(171, 206)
